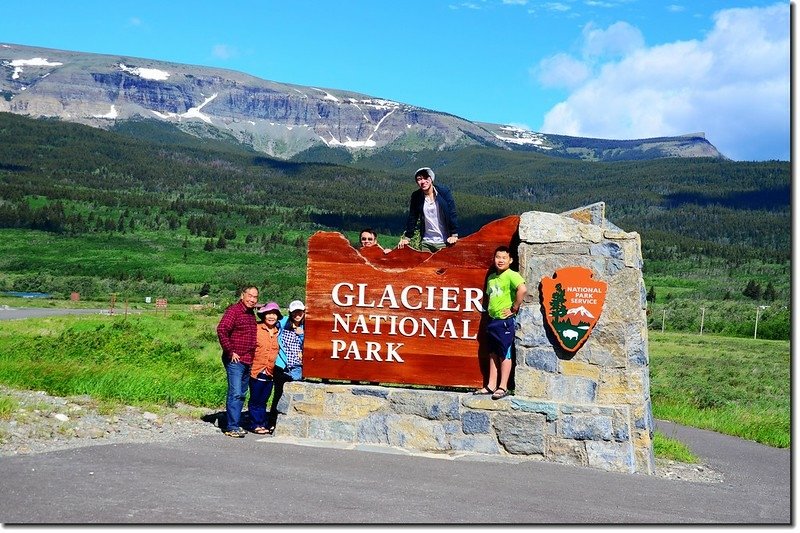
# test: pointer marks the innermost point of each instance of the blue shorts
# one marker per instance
(500, 332)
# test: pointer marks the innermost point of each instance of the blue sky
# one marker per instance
(619, 69)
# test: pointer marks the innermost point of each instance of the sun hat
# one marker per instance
(425, 171)
(271, 306)
(296, 305)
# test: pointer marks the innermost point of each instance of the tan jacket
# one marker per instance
(266, 350)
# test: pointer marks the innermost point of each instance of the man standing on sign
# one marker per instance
(237, 331)
(506, 290)
(433, 207)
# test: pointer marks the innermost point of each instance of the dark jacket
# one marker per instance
(447, 210)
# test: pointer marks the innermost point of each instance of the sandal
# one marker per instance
(482, 390)
(499, 393)
(270, 431)
(260, 430)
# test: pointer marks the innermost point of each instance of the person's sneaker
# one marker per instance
(238, 433)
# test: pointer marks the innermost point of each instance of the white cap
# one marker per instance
(427, 171)
(296, 305)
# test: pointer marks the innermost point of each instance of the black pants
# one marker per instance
(280, 379)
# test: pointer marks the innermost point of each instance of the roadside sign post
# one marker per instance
(702, 319)
(758, 310)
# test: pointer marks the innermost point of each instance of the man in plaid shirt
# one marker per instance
(237, 332)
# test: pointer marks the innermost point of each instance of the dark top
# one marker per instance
(447, 210)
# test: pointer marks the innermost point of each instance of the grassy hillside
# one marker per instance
(115, 213)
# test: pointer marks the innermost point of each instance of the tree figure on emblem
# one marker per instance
(557, 307)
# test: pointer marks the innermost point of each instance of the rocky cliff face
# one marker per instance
(276, 118)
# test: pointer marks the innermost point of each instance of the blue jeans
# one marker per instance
(238, 378)
(260, 390)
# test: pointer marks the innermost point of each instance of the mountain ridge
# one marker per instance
(277, 118)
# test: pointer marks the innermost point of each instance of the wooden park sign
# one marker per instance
(408, 317)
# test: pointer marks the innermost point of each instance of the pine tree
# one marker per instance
(769, 292)
(753, 290)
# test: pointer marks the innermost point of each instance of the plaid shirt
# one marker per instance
(291, 348)
(237, 332)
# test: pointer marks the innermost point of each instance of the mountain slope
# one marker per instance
(278, 119)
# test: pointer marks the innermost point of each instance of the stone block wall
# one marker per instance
(603, 390)
(449, 422)
(590, 408)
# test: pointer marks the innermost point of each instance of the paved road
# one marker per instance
(215, 479)
(16, 313)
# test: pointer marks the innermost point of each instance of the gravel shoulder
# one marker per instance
(38, 422)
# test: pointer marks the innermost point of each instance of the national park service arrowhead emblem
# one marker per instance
(572, 301)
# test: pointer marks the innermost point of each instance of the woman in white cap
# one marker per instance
(433, 208)
(289, 364)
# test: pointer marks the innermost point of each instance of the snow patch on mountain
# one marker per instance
(349, 143)
(34, 62)
(146, 73)
(516, 135)
(194, 112)
(111, 114)
(328, 96)
(17, 64)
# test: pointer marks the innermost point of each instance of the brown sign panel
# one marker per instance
(406, 317)
(572, 301)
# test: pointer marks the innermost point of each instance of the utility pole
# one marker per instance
(663, 319)
(702, 319)
(758, 310)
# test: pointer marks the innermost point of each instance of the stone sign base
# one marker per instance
(452, 422)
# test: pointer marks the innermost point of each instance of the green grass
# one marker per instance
(669, 448)
(735, 386)
(8, 406)
(138, 360)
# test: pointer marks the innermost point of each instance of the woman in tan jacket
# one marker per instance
(261, 371)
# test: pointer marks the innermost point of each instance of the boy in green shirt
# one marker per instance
(506, 290)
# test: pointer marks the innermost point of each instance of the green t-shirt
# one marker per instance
(502, 289)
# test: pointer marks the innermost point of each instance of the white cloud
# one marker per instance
(561, 70)
(733, 85)
(516, 2)
(556, 6)
(135, 21)
(618, 39)
(224, 51)
(675, 8)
